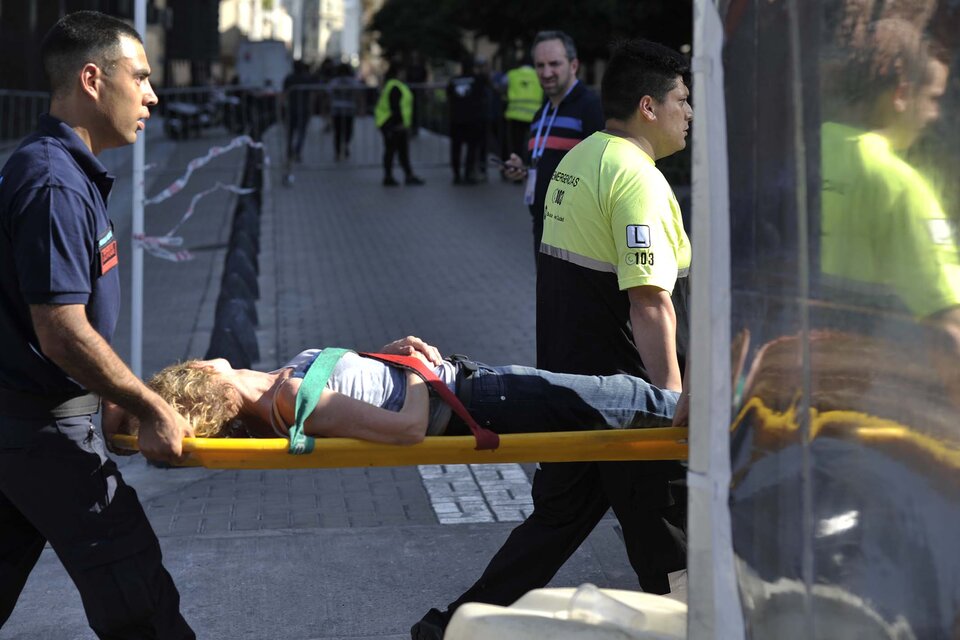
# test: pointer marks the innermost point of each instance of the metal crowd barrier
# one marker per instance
(18, 114)
(334, 109)
(188, 111)
(184, 112)
(328, 107)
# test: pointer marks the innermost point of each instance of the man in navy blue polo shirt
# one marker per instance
(570, 113)
(59, 301)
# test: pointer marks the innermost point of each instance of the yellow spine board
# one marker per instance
(668, 443)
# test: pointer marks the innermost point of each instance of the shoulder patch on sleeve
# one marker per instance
(638, 236)
(941, 231)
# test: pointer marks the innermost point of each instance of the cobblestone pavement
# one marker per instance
(338, 553)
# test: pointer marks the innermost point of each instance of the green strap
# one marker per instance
(309, 394)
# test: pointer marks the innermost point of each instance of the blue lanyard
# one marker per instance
(538, 148)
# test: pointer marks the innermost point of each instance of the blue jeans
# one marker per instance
(515, 399)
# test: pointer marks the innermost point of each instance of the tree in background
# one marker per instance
(436, 27)
(428, 26)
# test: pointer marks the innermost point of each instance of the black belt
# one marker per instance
(465, 369)
(20, 404)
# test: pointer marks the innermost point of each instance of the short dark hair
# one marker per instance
(568, 44)
(79, 38)
(894, 51)
(638, 68)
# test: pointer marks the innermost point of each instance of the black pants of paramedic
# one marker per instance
(569, 499)
(58, 486)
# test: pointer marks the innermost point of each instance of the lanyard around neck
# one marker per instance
(539, 148)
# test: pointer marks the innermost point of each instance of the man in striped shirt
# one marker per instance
(570, 113)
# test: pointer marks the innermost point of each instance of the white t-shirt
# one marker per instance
(378, 383)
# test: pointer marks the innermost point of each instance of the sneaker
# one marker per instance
(388, 181)
(414, 181)
(430, 627)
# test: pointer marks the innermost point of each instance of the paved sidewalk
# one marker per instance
(340, 553)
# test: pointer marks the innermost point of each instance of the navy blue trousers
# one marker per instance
(58, 486)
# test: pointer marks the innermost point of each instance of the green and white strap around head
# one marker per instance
(311, 387)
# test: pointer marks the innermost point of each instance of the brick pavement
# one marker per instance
(451, 264)
(231, 501)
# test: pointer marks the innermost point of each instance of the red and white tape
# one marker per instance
(154, 245)
(160, 246)
(177, 185)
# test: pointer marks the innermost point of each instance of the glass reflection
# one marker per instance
(846, 447)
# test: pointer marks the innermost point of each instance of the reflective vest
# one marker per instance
(382, 112)
(524, 95)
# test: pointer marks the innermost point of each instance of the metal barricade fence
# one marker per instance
(184, 112)
(324, 112)
(18, 114)
(187, 111)
(344, 110)
(339, 128)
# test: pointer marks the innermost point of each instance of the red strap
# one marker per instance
(486, 439)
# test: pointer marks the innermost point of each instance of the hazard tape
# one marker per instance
(177, 185)
(156, 245)
(160, 246)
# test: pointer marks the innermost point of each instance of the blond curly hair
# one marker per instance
(194, 389)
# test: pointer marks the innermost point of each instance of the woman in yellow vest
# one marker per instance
(394, 117)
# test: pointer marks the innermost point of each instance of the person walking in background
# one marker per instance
(613, 250)
(325, 73)
(59, 303)
(393, 115)
(524, 97)
(417, 74)
(492, 108)
(344, 90)
(465, 94)
(571, 113)
(298, 102)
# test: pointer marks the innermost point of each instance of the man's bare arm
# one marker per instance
(67, 338)
(654, 323)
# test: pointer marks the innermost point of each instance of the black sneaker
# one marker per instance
(388, 181)
(431, 626)
(414, 181)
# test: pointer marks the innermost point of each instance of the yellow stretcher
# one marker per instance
(667, 443)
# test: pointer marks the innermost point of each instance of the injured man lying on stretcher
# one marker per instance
(370, 399)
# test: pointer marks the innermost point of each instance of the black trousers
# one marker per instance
(57, 485)
(296, 136)
(342, 133)
(515, 135)
(396, 142)
(467, 134)
(568, 501)
(537, 219)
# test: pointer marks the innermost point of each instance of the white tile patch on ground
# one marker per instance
(461, 493)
